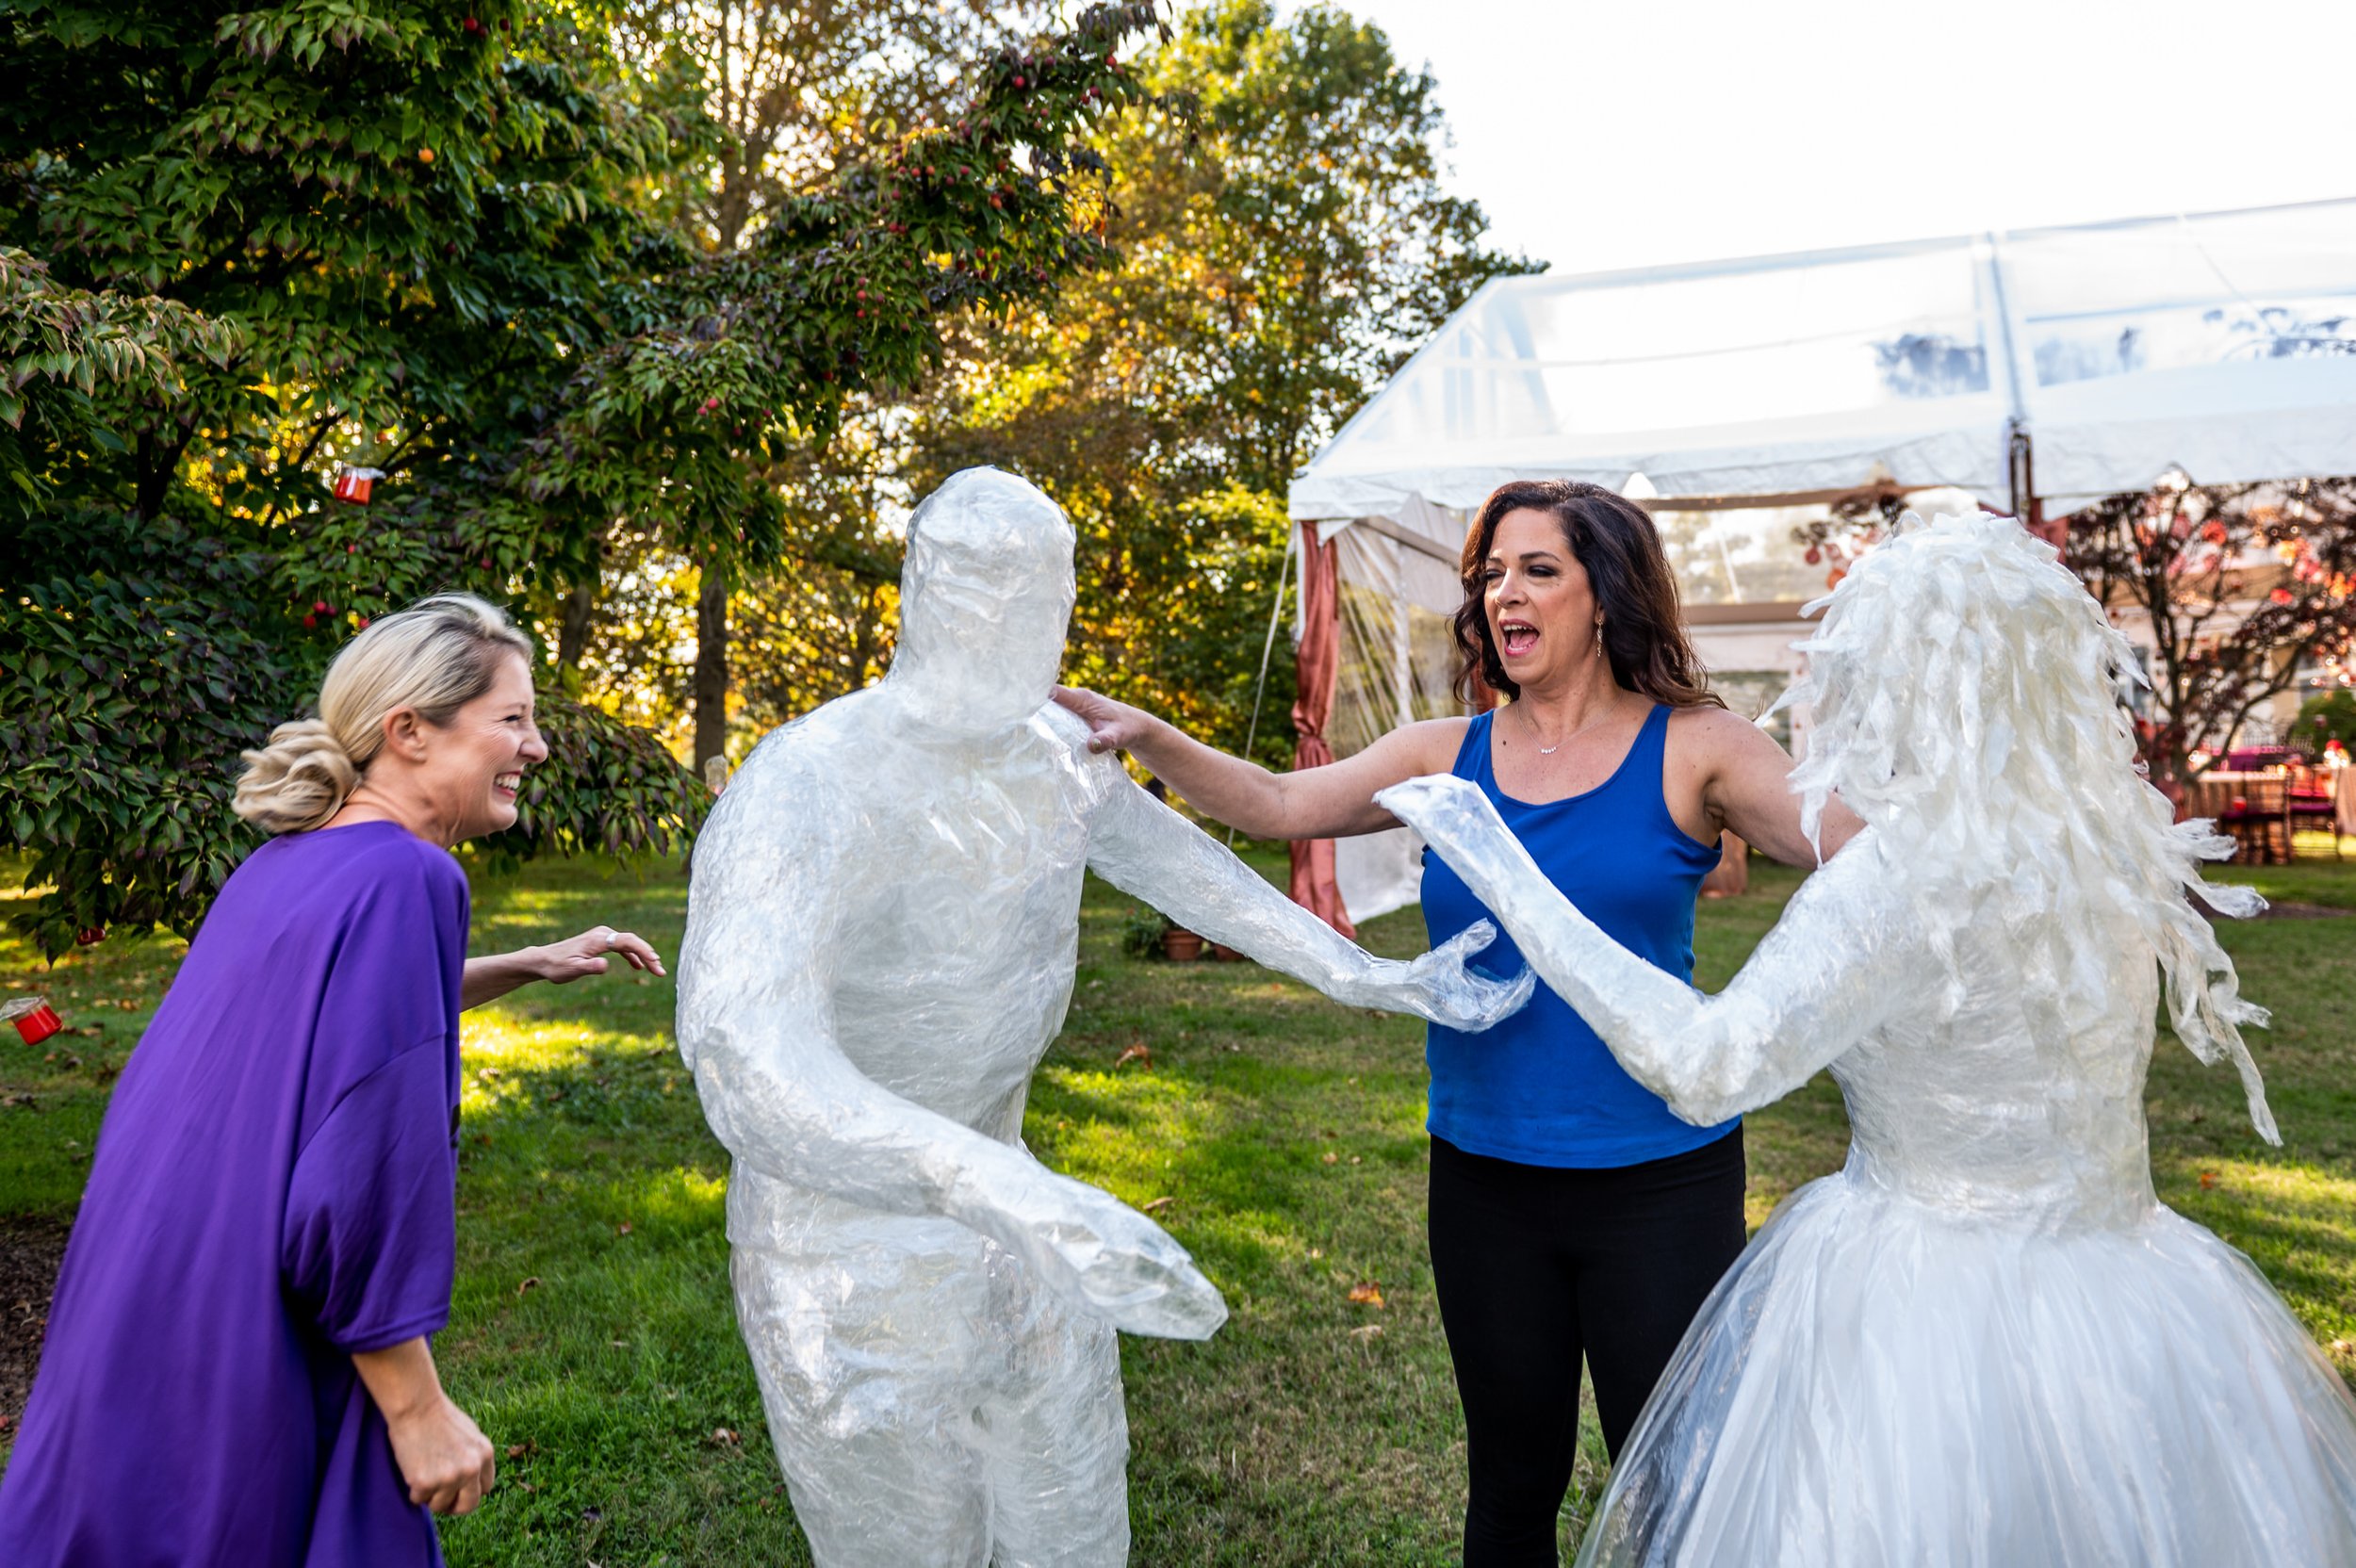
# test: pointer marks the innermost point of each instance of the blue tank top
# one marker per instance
(1540, 1087)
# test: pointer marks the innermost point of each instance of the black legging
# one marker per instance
(1533, 1268)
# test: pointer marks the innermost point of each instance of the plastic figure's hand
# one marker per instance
(1438, 989)
(1112, 726)
(1098, 1253)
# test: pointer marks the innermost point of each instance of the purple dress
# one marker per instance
(274, 1189)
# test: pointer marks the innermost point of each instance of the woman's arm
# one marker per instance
(493, 976)
(442, 1454)
(1738, 778)
(1842, 958)
(1332, 802)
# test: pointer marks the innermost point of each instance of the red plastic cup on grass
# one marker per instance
(35, 1020)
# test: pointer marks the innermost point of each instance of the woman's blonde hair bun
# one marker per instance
(434, 656)
(298, 781)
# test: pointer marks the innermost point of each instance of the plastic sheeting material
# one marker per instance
(2220, 343)
(879, 948)
(1398, 660)
(1984, 1342)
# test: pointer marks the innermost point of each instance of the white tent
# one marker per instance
(2051, 365)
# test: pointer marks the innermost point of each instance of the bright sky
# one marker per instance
(1601, 134)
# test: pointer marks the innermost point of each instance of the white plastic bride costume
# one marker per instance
(1983, 1342)
(880, 950)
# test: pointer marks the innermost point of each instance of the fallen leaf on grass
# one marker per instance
(1368, 1294)
(529, 1283)
(2344, 1347)
(1140, 1053)
(1156, 1203)
(723, 1437)
(1332, 1158)
(623, 1228)
(522, 1450)
(2208, 1179)
(1366, 1333)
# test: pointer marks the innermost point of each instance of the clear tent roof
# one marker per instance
(2223, 344)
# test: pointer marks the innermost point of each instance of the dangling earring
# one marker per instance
(1599, 639)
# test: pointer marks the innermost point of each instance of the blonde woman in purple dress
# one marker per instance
(237, 1370)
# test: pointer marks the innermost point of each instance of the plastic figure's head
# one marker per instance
(984, 600)
(1962, 675)
(1968, 700)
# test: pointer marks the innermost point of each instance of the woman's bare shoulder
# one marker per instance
(1428, 746)
(1710, 732)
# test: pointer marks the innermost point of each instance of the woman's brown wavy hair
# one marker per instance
(1614, 540)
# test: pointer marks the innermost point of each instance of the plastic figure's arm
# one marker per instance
(1143, 847)
(757, 1026)
(1837, 964)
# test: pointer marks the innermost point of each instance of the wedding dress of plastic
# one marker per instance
(880, 942)
(1984, 1340)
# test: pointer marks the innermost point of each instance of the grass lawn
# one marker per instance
(1278, 1135)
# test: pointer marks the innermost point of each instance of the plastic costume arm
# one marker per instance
(757, 1028)
(1143, 847)
(1837, 964)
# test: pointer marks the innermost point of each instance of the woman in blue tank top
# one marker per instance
(1572, 1215)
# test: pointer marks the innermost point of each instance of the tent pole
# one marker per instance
(1268, 646)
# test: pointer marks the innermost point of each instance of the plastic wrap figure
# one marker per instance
(879, 948)
(1984, 1340)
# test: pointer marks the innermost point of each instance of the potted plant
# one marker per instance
(1147, 932)
(1141, 932)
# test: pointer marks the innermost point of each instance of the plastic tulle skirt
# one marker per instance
(1876, 1382)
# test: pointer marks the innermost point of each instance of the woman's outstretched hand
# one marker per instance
(494, 975)
(592, 952)
(1112, 726)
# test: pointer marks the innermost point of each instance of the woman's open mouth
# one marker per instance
(504, 785)
(1516, 639)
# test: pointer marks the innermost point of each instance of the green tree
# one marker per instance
(1271, 281)
(425, 228)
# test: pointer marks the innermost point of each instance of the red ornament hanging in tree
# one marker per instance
(35, 1020)
(356, 484)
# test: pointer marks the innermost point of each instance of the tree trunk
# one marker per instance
(711, 667)
(572, 632)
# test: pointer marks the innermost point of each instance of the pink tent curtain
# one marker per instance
(1318, 663)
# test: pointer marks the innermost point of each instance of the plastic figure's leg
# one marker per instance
(1059, 1450)
(875, 1430)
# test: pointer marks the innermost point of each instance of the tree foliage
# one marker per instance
(420, 238)
(1270, 283)
(2244, 586)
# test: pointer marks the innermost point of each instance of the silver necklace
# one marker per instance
(1548, 751)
